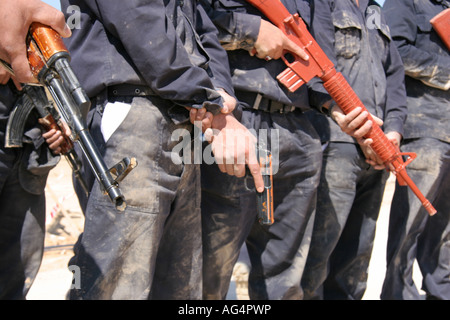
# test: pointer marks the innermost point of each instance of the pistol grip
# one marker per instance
(265, 205)
(265, 198)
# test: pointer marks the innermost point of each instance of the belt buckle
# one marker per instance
(289, 108)
(286, 109)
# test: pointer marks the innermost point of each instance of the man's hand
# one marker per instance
(201, 118)
(205, 117)
(272, 42)
(355, 123)
(234, 147)
(4, 76)
(229, 102)
(16, 16)
(371, 156)
(55, 138)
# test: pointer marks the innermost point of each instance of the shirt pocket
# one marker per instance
(348, 33)
(383, 40)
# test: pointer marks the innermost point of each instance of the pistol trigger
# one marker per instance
(248, 176)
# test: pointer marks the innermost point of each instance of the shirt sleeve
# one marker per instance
(150, 39)
(396, 111)
(218, 65)
(237, 28)
(427, 66)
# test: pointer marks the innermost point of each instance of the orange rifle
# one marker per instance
(441, 24)
(319, 65)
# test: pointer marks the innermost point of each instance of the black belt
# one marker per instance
(258, 102)
(124, 90)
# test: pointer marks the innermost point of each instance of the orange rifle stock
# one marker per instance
(319, 65)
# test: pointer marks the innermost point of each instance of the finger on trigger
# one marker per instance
(292, 46)
(255, 170)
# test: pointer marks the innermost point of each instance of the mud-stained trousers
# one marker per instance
(229, 217)
(22, 229)
(349, 200)
(23, 177)
(413, 234)
(152, 250)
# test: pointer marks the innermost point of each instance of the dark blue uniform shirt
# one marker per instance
(238, 23)
(357, 40)
(427, 66)
(152, 43)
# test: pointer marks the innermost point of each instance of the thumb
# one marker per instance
(54, 18)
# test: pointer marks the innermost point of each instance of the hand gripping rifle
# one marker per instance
(49, 61)
(34, 98)
(318, 65)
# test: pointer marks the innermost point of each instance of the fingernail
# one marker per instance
(67, 30)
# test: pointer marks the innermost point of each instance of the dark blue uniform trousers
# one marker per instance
(349, 200)
(413, 234)
(152, 250)
(229, 217)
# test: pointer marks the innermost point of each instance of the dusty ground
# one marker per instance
(65, 222)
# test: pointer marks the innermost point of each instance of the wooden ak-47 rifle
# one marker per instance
(49, 62)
